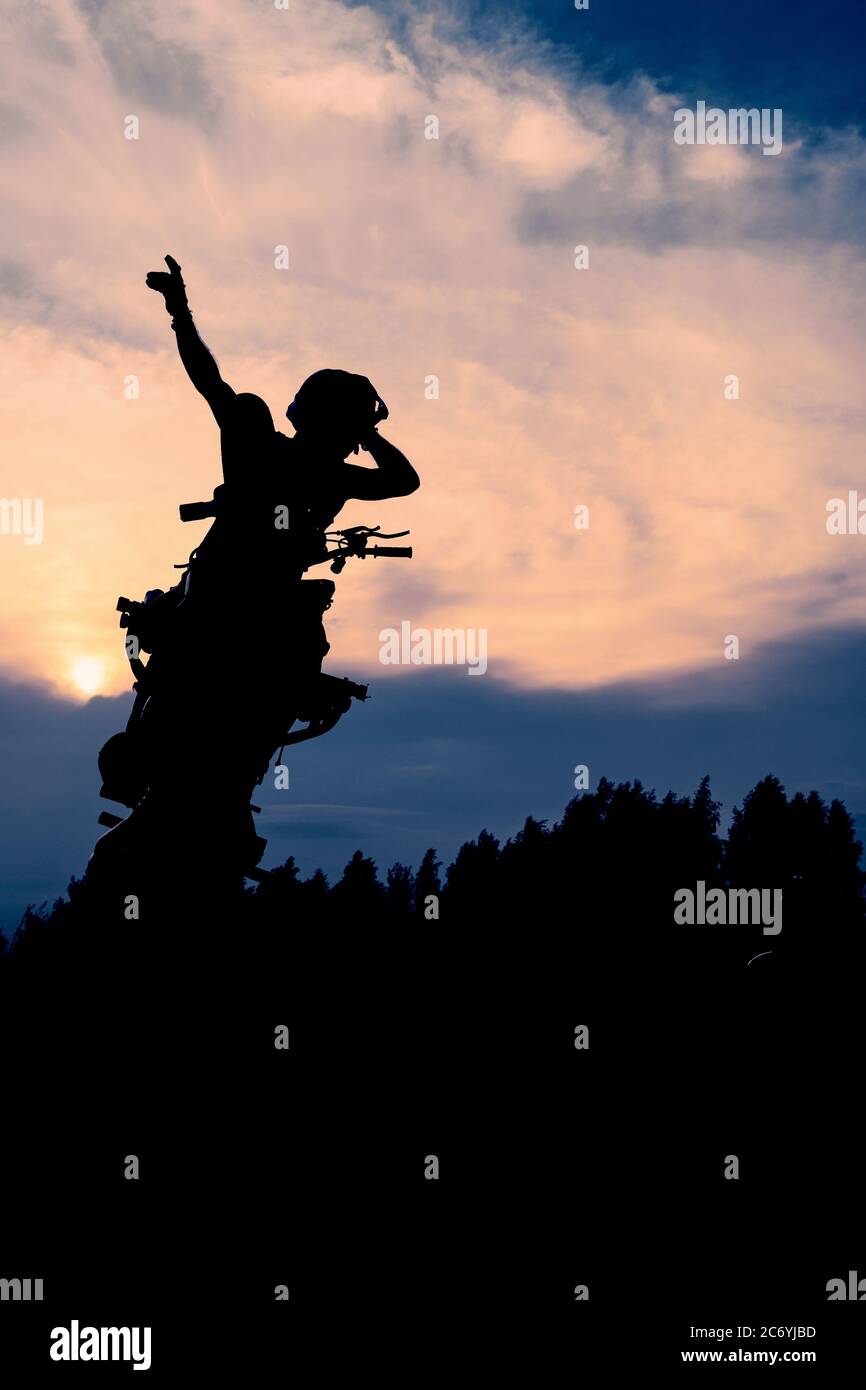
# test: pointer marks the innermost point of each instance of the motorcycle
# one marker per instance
(140, 766)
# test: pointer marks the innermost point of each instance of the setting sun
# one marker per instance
(87, 675)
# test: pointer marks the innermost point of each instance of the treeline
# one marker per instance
(618, 855)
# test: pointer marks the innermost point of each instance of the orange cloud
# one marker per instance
(413, 257)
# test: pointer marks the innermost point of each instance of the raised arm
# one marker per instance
(393, 475)
(199, 362)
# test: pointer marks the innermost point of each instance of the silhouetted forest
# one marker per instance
(416, 1034)
(610, 865)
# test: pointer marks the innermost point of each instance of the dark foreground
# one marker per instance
(409, 1037)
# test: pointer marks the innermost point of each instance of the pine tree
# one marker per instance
(400, 891)
(359, 894)
(427, 882)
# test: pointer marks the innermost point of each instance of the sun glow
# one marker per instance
(87, 674)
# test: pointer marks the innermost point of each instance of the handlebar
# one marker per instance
(197, 511)
(351, 542)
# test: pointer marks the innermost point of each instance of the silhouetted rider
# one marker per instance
(249, 641)
(236, 647)
(334, 414)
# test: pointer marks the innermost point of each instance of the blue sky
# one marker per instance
(804, 56)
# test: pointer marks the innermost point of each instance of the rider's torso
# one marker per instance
(273, 513)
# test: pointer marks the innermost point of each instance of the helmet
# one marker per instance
(336, 401)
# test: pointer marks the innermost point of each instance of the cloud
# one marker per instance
(147, 64)
(432, 758)
(658, 198)
(13, 123)
(36, 25)
(412, 258)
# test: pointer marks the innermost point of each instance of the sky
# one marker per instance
(412, 258)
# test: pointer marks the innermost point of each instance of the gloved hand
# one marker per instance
(380, 413)
(169, 285)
